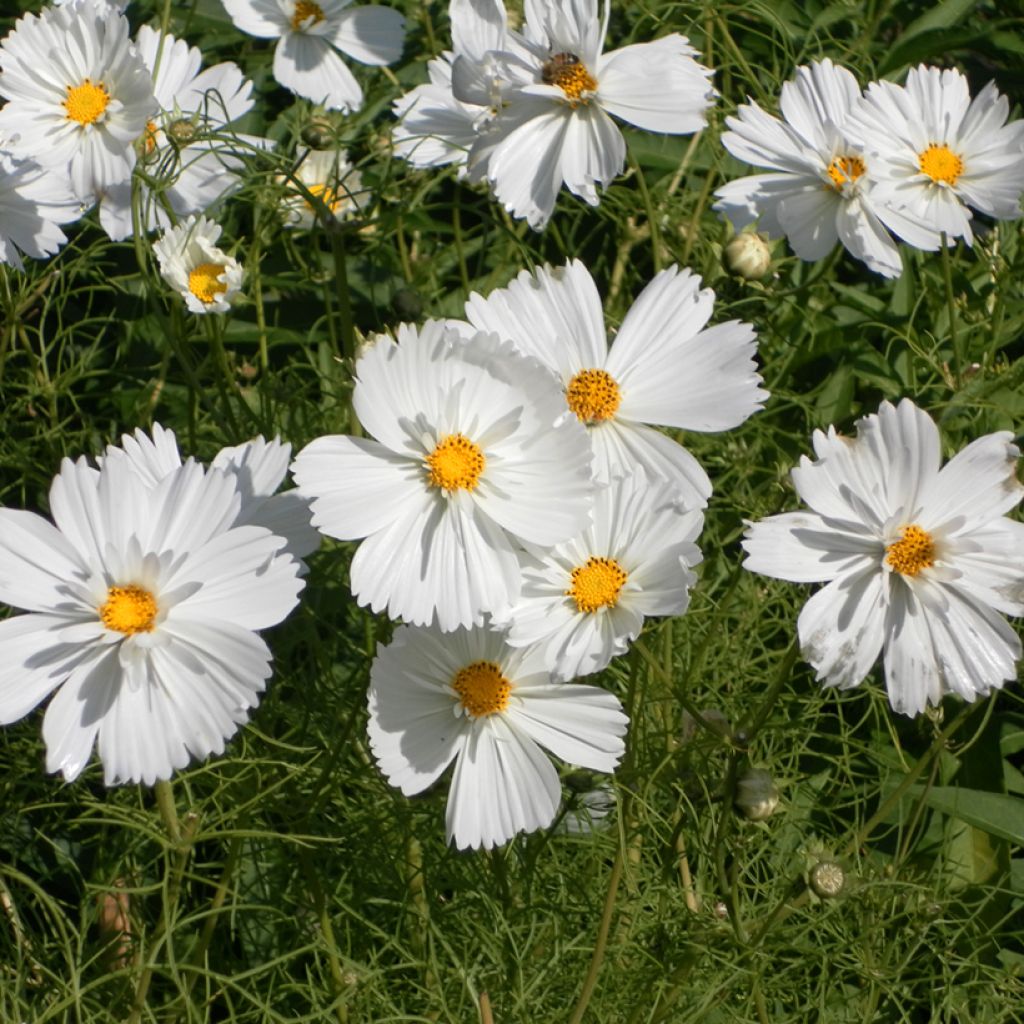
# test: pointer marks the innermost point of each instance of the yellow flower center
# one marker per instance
(147, 141)
(306, 9)
(569, 73)
(327, 194)
(85, 103)
(914, 551)
(593, 395)
(203, 282)
(845, 169)
(940, 163)
(455, 464)
(482, 689)
(129, 610)
(596, 584)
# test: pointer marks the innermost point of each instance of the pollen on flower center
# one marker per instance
(914, 551)
(844, 170)
(455, 464)
(86, 103)
(203, 282)
(596, 584)
(593, 395)
(941, 164)
(305, 9)
(129, 610)
(569, 73)
(482, 689)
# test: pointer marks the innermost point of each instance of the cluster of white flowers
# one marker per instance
(530, 111)
(852, 167)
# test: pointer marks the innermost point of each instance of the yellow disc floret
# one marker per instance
(129, 610)
(593, 395)
(456, 464)
(306, 9)
(914, 551)
(596, 584)
(204, 283)
(570, 74)
(844, 170)
(482, 689)
(327, 194)
(941, 164)
(86, 103)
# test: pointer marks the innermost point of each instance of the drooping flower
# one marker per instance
(936, 152)
(435, 128)
(183, 147)
(559, 94)
(33, 202)
(469, 453)
(821, 187)
(468, 697)
(585, 600)
(664, 366)
(308, 35)
(918, 560)
(142, 609)
(78, 94)
(258, 468)
(206, 278)
(330, 179)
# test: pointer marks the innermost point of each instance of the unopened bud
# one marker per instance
(182, 132)
(319, 134)
(748, 256)
(827, 879)
(756, 795)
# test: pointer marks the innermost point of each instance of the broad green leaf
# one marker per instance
(999, 814)
(942, 15)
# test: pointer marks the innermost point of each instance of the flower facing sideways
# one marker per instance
(918, 560)
(206, 278)
(467, 697)
(332, 183)
(142, 606)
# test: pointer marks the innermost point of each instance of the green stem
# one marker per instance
(348, 338)
(652, 214)
(954, 334)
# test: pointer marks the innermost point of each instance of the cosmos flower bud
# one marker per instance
(827, 879)
(319, 134)
(756, 795)
(748, 256)
(182, 132)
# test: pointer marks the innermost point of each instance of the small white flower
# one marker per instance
(821, 186)
(584, 601)
(555, 126)
(469, 453)
(328, 176)
(309, 33)
(937, 152)
(33, 202)
(142, 605)
(206, 278)
(192, 176)
(918, 559)
(467, 697)
(78, 94)
(664, 366)
(258, 468)
(435, 128)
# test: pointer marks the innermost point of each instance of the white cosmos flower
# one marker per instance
(33, 202)
(821, 186)
(664, 366)
(435, 128)
(78, 94)
(258, 468)
(469, 452)
(142, 609)
(554, 125)
(310, 33)
(583, 601)
(206, 278)
(468, 697)
(918, 560)
(937, 152)
(329, 177)
(192, 175)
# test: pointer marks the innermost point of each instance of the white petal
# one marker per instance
(34, 662)
(309, 66)
(369, 32)
(36, 562)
